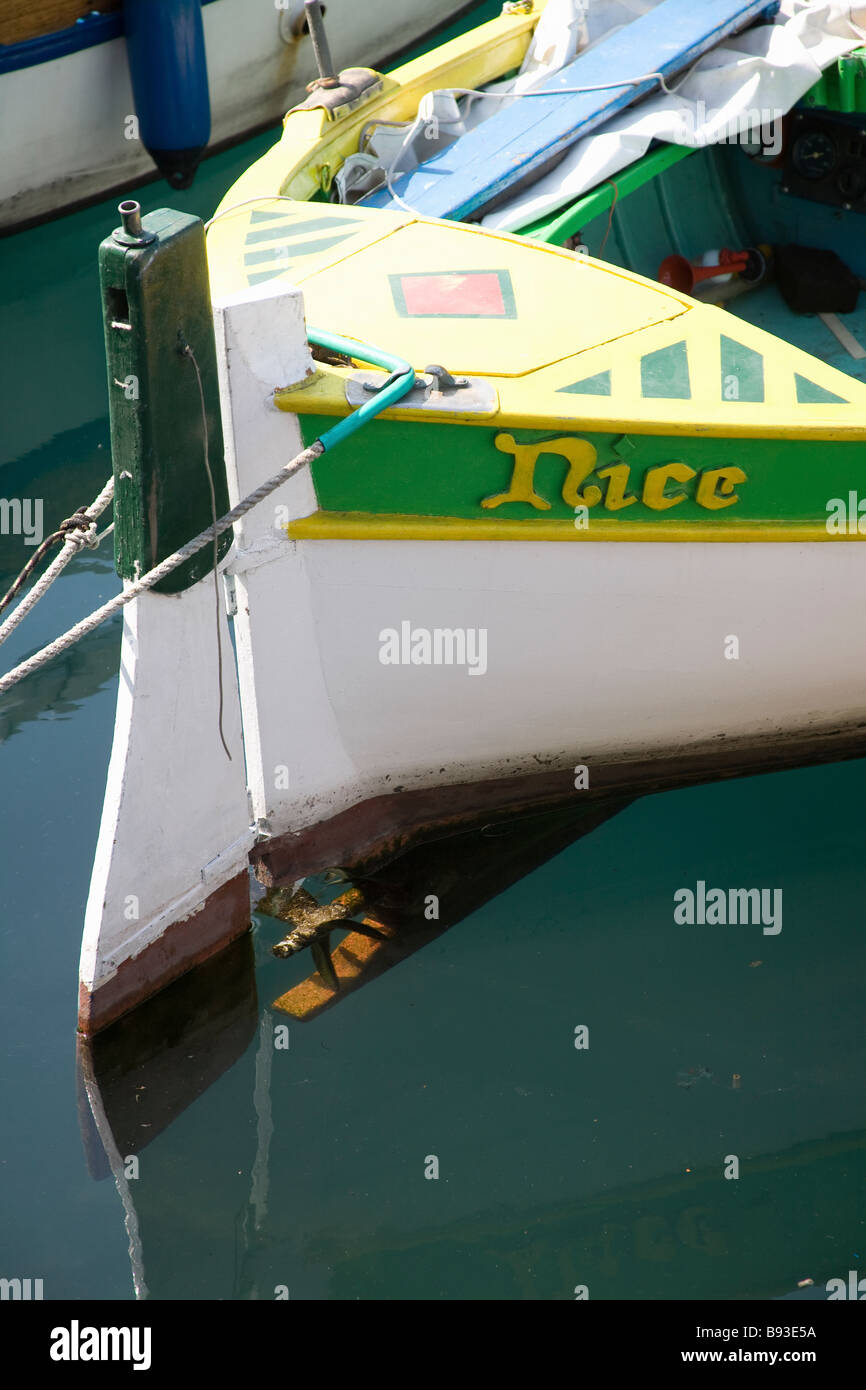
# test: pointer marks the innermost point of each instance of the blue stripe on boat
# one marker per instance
(86, 32)
(522, 137)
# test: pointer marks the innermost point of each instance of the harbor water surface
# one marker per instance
(568, 1094)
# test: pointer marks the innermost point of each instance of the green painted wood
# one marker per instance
(664, 374)
(787, 480)
(742, 370)
(842, 86)
(156, 298)
(810, 393)
(567, 222)
(598, 385)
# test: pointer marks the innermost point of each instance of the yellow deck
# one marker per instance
(560, 337)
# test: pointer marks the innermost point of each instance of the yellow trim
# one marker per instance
(362, 526)
(528, 403)
(312, 142)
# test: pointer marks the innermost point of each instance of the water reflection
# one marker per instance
(299, 1170)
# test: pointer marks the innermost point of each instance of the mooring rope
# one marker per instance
(160, 571)
(77, 532)
(400, 381)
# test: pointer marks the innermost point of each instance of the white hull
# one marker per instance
(64, 120)
(596, 654)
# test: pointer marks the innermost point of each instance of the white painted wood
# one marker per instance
(594, 651)
(175, 822)
(261, 344)
(68, 115)
(844, 335)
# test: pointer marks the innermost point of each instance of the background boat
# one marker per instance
(66, 98)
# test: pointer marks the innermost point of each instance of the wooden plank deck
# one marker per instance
(20, 20)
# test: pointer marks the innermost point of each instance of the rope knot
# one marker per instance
(79, 530)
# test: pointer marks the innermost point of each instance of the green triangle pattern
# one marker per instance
(742, 372)
(598, 385)
(664, 374)
(810, 393)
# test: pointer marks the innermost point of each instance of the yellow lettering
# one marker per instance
(716, 487)
(615, 497)
(521, 488)
(581, 457)
(656, 480)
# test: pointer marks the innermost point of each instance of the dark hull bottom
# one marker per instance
(223, 917)
(373, 832)
(421, 836)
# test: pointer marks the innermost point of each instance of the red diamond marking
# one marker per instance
(478, 294)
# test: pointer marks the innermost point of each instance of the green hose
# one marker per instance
(401, 381)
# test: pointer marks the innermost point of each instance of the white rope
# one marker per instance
(420, 120)
(261, 198)
(473, 92)
(75, 541)
(160, 571)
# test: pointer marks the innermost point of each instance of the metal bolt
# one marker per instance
(316, 24)
(132, 233)
(130, 216)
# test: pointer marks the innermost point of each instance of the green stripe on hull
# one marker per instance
(444, 470)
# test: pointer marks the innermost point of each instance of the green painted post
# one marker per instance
(156, 303)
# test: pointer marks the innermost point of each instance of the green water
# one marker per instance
(304, 1169)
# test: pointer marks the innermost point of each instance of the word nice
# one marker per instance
(75, 1343)
(439, 646)
(661, 488)
(745, 906)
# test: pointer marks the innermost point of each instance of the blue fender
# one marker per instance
(168, 67)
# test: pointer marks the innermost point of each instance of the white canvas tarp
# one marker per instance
(748, 81)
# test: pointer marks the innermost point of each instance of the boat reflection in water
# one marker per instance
(304, 1193)
(139, 1076)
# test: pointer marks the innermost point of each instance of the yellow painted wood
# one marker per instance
(348, 526)
(564, 321)
(313, 146)
(533, 402)
(574, 318)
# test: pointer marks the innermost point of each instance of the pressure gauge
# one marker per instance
(814, 155)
